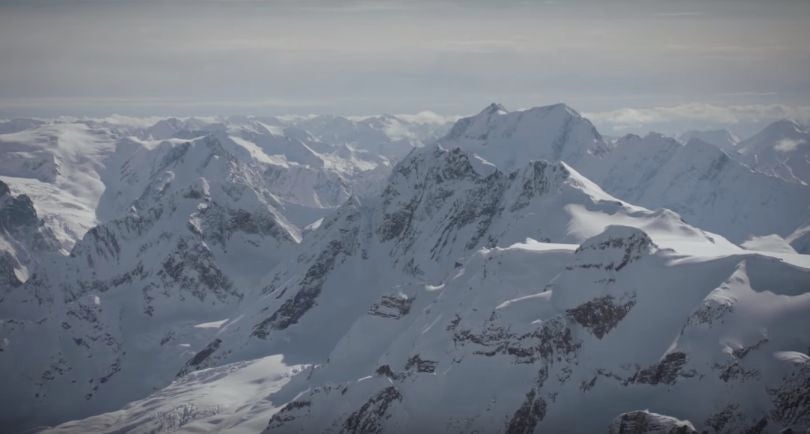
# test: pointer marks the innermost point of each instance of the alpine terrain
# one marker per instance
(511, 272)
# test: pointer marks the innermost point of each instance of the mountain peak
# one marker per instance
(559, 107)
(493, 108)
(616, 247)
(784, 126)
(722, 138)
(779, 130)
(510, 139)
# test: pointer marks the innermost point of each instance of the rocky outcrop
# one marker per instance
(369, 418)
(614, 249)
(666, 371)
(392, 306)
(530, 413)
(601, 314)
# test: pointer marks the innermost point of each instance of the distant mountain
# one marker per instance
(386, 135)
(699, 181)
(723, 139)
(703, 184)
(781, 149)
(71, 169)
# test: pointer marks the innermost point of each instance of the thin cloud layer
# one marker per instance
(182, 57)
(743, 118)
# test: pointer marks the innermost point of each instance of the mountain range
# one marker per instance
(513, 271)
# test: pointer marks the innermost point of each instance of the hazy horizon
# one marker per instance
(630, 65)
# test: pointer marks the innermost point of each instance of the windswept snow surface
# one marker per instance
(233, 398)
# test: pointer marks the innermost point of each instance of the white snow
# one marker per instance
(230, 398)
(359, 275)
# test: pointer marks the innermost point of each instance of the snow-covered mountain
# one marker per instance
(518, 275)
(468, 298)
(117, 318)
(60, 166)
(386, 135)
(71, 169)
(698, 180)
(510, 139)
(183, 218)
(703, 184)
(781, 149)
(723, 139)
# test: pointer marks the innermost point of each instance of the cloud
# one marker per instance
(787, 145)
(427, 117)
(630, 118)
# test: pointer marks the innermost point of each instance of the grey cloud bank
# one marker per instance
(268, 57)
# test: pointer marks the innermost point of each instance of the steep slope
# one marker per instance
(119, 316)
(800, 239)
(428, 310)
(24, 239)
(781, 149)
(704, 185)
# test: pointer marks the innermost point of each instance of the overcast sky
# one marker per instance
(624, 61)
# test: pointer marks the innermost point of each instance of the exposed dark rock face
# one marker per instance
(724, 420)
(735, 369)
(791, 401)
(709, 312)
(601, 315)
(310, 287)
(288, 414)
(666, 371)
(539, 178)
(391, 306)
(530, 413)
(644, 422)
(444, 187)
(386, 371)
(18, 219)
(192, 268)
(27, 236)
(553, 340)
(200, 357)
(218, 224)
(631, 244)
(17, 211)
(427, 192)
(369, 418)
(8, 277)
(421, 365)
